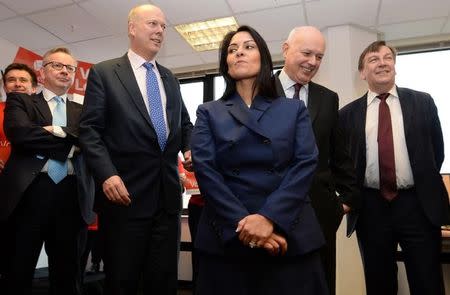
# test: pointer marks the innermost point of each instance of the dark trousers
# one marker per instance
(47, 213)
(261, 275)
(140, 250)
(382, 225)
(195, 212)
(328, 258)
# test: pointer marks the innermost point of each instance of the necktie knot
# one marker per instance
(148, 66)
(383, 96)
(297, 87)
(58, 99)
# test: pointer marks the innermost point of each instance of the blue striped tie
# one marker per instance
(155, 105)
(57, 170)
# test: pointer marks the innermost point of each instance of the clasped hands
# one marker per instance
(256, 231)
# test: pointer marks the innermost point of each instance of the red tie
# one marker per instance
(297, 91)
(386, 158)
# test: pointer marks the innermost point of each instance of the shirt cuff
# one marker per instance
(59, 132)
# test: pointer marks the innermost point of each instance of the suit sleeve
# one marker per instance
(341, 164)
(284, 204)
(186, 128)
(27, 136)
(228, 208)
(92, 125)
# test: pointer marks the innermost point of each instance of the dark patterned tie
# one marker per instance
(386, 158)
(297, 91)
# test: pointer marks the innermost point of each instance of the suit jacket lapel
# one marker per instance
(126, 76)
(71, 114)
(42, 107)
(313, 101)
(360, 126)
(241, 113)
(407, 112)
(171, 103)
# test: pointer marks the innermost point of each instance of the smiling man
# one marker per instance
(396, 142)
(303, 52)
(132, 128)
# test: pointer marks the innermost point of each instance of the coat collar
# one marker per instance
(248, 116)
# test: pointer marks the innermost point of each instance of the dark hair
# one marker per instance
(373, 47)
(264, 83)
(21, 67)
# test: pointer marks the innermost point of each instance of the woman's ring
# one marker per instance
(252, 244)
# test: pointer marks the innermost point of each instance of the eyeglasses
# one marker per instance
(59, 66)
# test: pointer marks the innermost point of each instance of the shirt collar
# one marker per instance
(372, 95)
(137, 61)
(48, 95)
(287, 82)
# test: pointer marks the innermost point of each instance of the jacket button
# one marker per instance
(236, 171)
(271, 171)
(266, 141)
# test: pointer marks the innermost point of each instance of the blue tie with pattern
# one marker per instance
(155, 105)
(57, 170)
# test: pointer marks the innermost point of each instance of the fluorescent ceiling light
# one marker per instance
(207, 35)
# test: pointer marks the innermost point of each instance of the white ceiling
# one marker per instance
(95, 30)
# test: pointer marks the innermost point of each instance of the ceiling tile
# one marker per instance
(113, 14)
(180, 61)
(5, 12)
(412, 29)
(397, 11)
(26, 6)
(210, 57)
(27, 34)
(329, 13)
(239, 6)
(70, 23)
(178, 12)
(105, 48)
(174, 44)
(287, 18)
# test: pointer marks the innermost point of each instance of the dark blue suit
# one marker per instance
(255, 160)
(414, 218)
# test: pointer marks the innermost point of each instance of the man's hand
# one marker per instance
(187, 163)
(254, 229)
(115, 191)
(48, 128)
(276, 245)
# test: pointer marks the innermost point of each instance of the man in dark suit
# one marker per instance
(132, 128)
(303, 52)
(395, 139)
(46, 194)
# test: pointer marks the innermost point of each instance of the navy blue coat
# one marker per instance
(255, 160)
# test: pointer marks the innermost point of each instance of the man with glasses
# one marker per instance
(46, 194)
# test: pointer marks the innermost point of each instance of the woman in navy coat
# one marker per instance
(254, 157)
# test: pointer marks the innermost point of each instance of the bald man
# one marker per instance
(132, 128)
(333, 191)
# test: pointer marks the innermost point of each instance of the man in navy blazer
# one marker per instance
(139, 208)
(38, 206)
(303, 52)
(417, 204)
